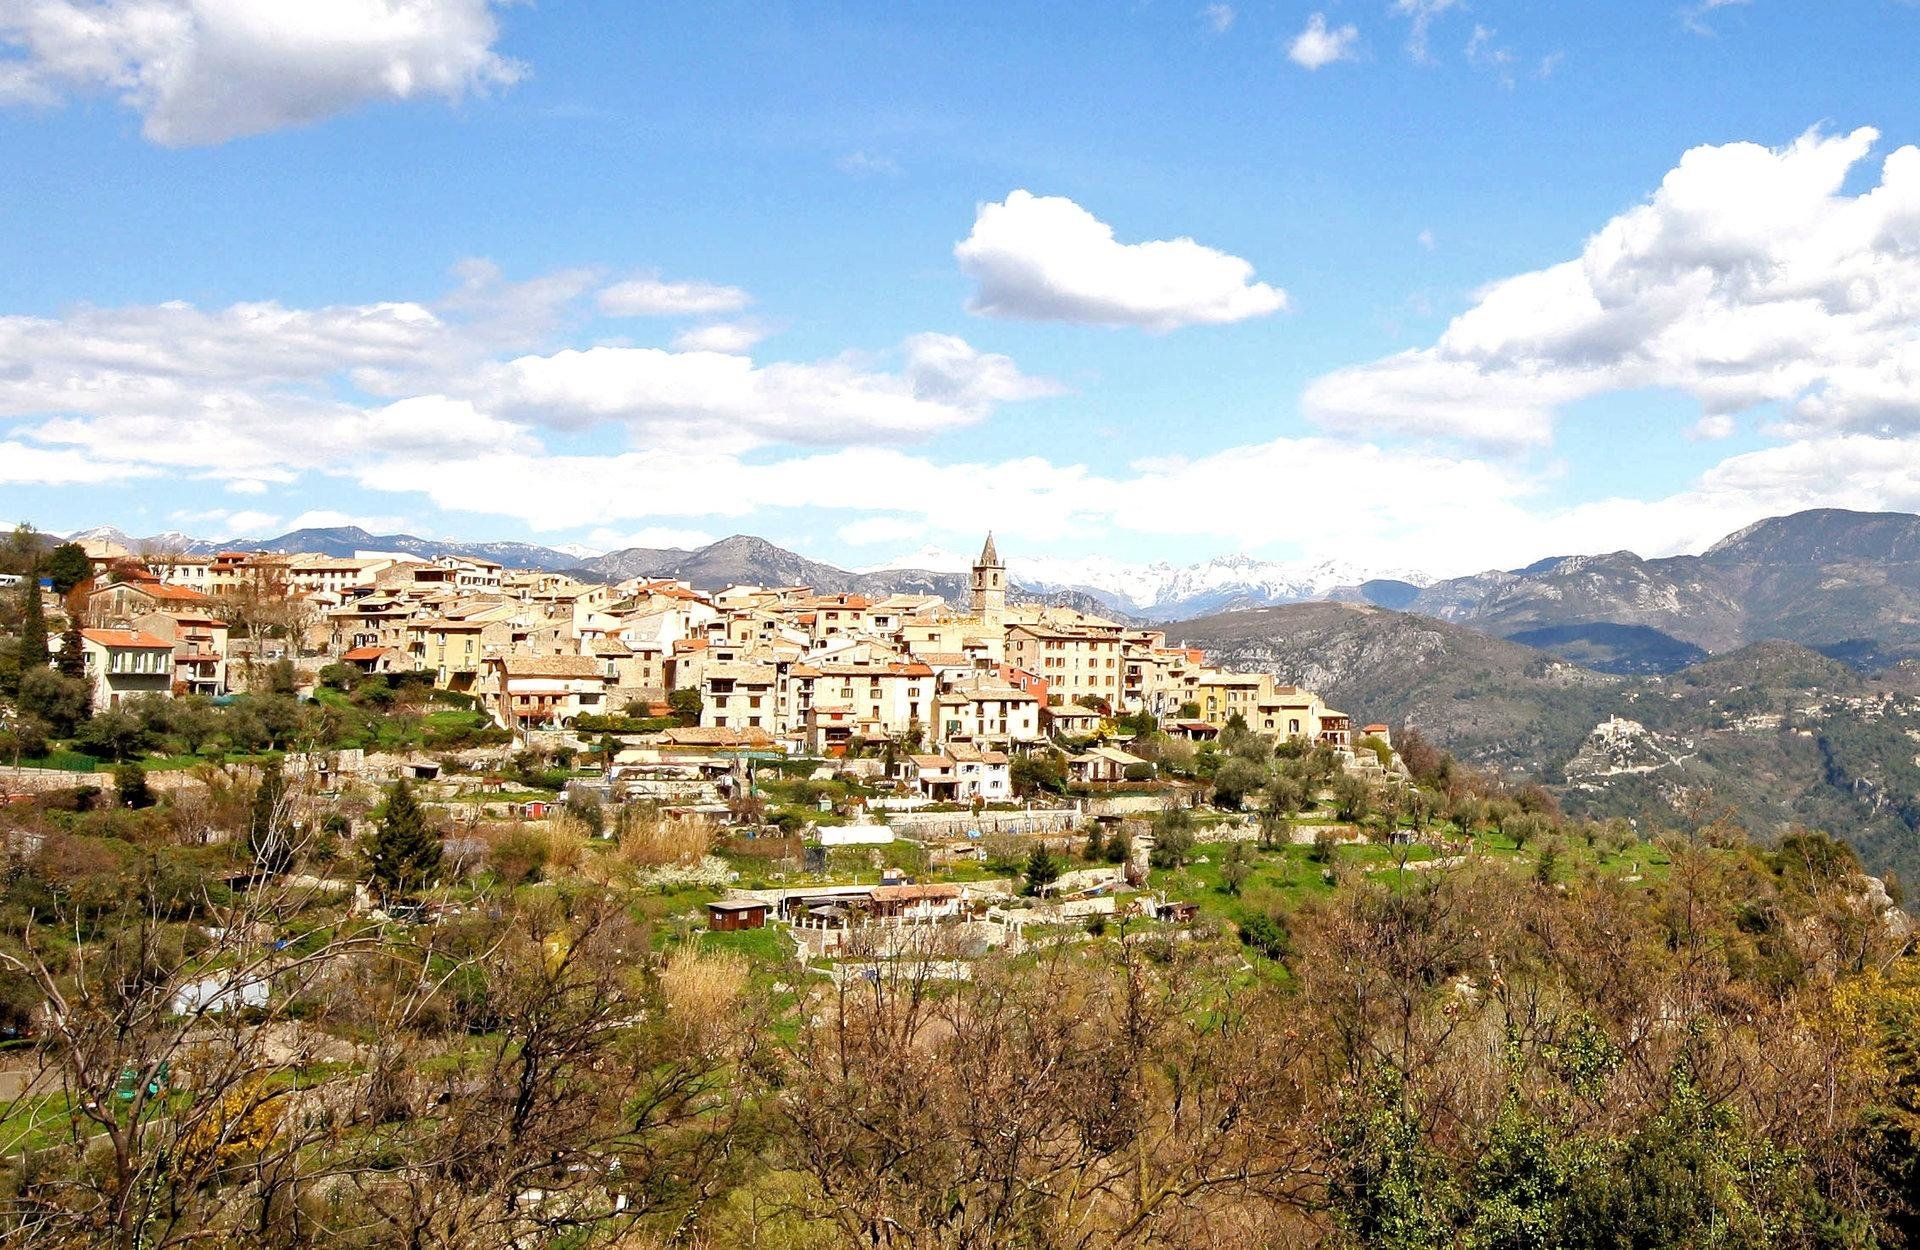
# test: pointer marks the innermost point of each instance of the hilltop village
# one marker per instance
(782, 669)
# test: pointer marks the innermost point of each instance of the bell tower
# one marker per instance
(989, 586)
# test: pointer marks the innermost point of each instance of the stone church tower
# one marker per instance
(990, 587)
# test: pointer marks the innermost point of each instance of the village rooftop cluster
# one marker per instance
(776, 669)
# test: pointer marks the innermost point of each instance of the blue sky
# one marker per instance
(864, 279)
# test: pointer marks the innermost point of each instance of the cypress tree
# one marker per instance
(269, 833)
(72, 660)
(403, 851)
(33, 623)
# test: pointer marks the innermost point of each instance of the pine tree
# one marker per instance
(72, 660)
(1042, 869)
(403, 850)
(269, 834)
(33, 623)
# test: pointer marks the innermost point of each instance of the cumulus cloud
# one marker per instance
(24, 465)
(259, 392)
(1749, 279)
(653, 296)
(722, 336)
(942, 383)
(206, 71)
(1320, 45)
(1045, 258)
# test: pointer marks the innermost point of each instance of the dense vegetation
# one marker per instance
(1567, 1038)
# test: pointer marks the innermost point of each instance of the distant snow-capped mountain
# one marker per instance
(1163, 589)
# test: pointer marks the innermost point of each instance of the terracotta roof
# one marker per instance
(357, 654)
(129, 638)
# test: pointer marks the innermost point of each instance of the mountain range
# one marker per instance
(1846, 584)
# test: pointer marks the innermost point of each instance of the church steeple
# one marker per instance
(989, 586)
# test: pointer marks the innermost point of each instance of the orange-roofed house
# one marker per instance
(123, 664)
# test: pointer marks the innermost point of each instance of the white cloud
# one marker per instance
(206, 71)
(327, 518)
(652, 296)
(1420, 15)
(1425, 239)
(1218, 17)
(882, 529)
(221, 524)
(1319, 45)
(704, 396)
(734, 337)
(1749, 279)
(1044, 258)
(22, 465)
(247, 486)
(258, 392)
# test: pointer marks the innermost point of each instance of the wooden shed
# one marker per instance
(729, 914)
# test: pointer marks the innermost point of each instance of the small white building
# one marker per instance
(533, 691)
(960, 773)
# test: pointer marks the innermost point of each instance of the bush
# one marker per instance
(130, 781)
(1268, 935)
(1139, 772)
(113, 735)
(62, 702)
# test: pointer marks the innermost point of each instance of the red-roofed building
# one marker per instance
(375, 659)
(125, 663)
